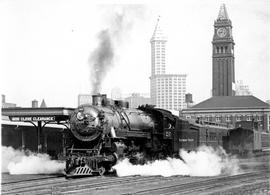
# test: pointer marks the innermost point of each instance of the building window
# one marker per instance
(268, 123)
(228, 118)
(248, 117)
(238, 118)
(218, 118)
(199, 117)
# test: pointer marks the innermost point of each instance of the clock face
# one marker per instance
(221, 32)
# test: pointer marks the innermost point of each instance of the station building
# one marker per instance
(38, 129)
(231, 109)
(224, 106)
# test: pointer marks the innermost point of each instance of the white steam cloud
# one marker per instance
(19, 162)
(204, 162)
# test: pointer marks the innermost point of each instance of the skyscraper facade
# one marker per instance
(223, 75)
(166, 90)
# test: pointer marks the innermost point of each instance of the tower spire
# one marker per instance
(223, 15)
(158, 32)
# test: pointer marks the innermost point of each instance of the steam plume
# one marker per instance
(102, 59)
(121, 20)
(19, 162)
(204, 162)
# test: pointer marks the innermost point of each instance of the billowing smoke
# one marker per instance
(204, 162)
(20, 162)
(120, 21)
(101, 60)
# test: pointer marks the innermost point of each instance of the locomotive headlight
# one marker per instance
(80, 116)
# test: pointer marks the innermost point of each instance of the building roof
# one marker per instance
(57, 113)
(230, 102)
(43, 104)
(158, 34)
(223, 14)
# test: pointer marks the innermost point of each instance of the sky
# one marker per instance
(46, 46)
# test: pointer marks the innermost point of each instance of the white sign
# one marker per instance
(32, 118)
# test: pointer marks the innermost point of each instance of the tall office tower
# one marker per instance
(223, 78)
(158, 50)
(167, 90)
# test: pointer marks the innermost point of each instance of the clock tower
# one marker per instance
(223, 79)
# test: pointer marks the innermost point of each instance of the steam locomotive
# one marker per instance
(106, 131)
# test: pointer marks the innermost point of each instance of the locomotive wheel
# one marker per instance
(101, 170)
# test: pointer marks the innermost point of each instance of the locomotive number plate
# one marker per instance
(167, 134)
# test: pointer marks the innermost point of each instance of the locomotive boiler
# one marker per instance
(107, 130)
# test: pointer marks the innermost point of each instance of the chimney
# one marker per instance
(34, 104)
(188, 98)
(3, 99)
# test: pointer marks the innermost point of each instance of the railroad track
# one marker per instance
(202, 186)
(29, 184)
(135, 184)
(25, 180)
(161, 185)
(9, 179)
(60, 185)
(115, 184)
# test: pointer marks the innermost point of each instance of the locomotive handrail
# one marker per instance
(124, 119)
(76, 149)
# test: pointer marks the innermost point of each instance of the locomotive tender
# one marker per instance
(104, 132)
(247, 138)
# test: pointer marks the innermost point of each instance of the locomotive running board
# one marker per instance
(131, 133)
